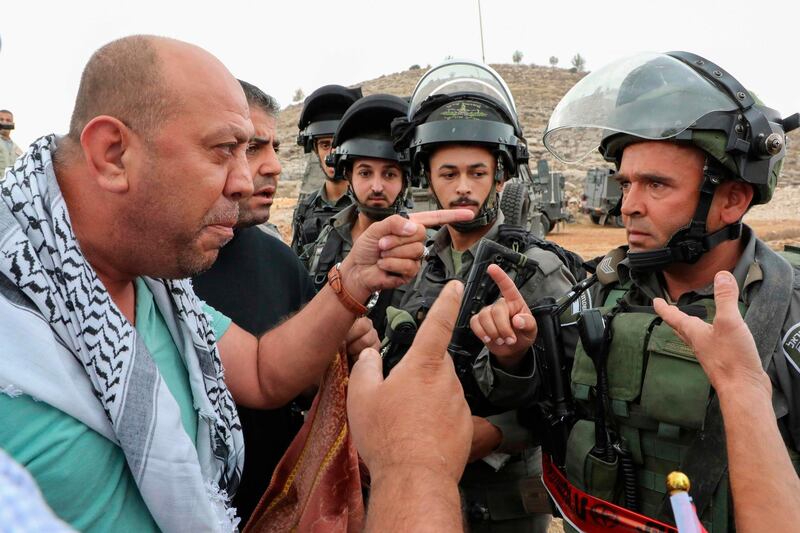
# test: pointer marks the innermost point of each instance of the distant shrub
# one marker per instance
(578, 63)
(414, 67)
(553, 61)
(298, 95)
(516, 57)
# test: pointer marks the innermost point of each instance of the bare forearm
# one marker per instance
(414, 499)
(293, 356)
(766, 489)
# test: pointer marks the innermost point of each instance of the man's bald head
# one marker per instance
(125, 79)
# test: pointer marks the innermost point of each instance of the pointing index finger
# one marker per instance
(441, 216)
(508, 289)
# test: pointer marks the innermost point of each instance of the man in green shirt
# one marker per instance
(104, 340)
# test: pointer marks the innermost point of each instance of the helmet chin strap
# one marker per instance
(689, 243)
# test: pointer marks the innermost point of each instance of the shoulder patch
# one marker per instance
(607, 267)
(791, 346)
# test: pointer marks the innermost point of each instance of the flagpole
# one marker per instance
(480, 23)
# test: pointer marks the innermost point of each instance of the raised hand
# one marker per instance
(417, 417)
(388, 253)
(506, 327)
(726, 348)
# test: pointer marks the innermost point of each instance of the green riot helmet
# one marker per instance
(321, 113)
(462, 101)
(365, 132)
(683, 98)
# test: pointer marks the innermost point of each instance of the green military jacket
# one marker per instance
(658, 391)
(551, 278)
(500, 483)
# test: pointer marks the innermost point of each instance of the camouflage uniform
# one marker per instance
(496, 499)
(311, 215)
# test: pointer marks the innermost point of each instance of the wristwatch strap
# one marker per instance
(335, 281)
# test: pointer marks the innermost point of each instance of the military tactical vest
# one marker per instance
(429, 284)
(310, 216)
(660, 399)
(658, 396)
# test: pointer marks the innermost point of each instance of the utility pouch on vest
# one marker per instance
(625, 360)
(675, 389)
(584, 470)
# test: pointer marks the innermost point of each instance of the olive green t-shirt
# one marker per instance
(457, 262)
(83, 476)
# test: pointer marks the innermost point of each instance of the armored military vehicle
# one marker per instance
(535, 201)
(601, 193)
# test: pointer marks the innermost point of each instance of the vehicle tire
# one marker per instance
(514, 203)
(537, 227)
(595, 218)
(547, 224)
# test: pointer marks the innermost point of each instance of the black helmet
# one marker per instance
(365, 131)
(684, 98)
(461, 101)
(322, 111)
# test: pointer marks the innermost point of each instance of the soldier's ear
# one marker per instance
(104, 141)
(732, 199)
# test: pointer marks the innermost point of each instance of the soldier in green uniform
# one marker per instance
(321, 113)
(463, 140)
(364, 156)
(694, 150)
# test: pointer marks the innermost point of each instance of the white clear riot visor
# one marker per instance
(647, 95)
(462, 76)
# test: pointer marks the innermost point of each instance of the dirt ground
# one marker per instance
(590, 240)
(777, 223)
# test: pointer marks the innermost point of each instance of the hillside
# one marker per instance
(536, 91)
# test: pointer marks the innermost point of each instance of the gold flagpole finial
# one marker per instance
(677, 482)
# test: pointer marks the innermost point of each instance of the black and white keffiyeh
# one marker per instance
(66, 343)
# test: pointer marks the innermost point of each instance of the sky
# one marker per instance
(282, 45)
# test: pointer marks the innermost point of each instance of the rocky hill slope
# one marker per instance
(536, 91)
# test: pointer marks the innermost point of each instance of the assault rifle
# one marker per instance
(557, 406)
(480, 291)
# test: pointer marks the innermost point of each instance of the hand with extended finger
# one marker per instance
(726, 348)
(361, 336)
(506, 327)
(388, 253)
(417, 418)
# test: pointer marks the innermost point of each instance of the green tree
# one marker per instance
(578, 63)
(516, 57)
(298, 95)
(553, 61)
